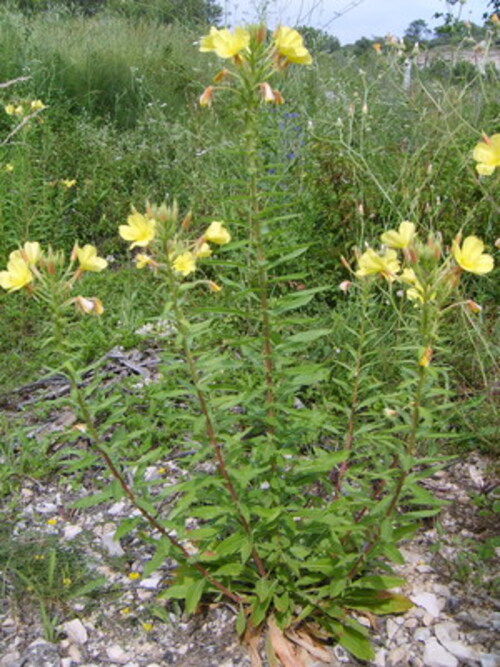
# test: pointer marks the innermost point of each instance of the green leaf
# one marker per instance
(231, 544)
(230, 569)
(91, 501)
(126, 526)
(356, 643)
(193, 594)
(308, 336)
(90, 586)
(378, 602)
(241, 622)
(379, 582)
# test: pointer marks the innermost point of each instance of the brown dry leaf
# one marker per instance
(284, 650)
(306, 642)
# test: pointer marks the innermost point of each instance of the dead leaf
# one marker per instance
(306, 642)
(284, 650)
(251, 640)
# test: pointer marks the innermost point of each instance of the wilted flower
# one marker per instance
(487, 155)
(370, 263)
(185, 263)
(473, 306)
(142, 260)
(17, 275)
(89, 261)
(139, 229)
(426, 357)
(224, 43)
(206, 97)
(89, 305)
(290, 46)
(345, 285)
(401, 238)
(217, 233)
(213, 287)
(266, 92)
(470, 256)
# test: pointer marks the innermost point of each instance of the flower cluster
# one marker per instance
(256, 61)
(21, 109)
(158, 230)
(418, 266)
(31, 268)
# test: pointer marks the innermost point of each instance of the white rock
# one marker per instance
(151, 582)
(446, 631)
(459, 650)
(112, 546)
(46, 508)
(489, 660)
(398, 656)
(76, 631)
(74, 654)
(380, 659)
(437, 656)
(411, 623)
(116, 654)
(66, 662)
(392, 627)
(70, 531)
(10, 659)
(422, 634)
(116, 508)
(429, 602)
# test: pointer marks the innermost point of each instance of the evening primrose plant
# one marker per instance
(297, 471)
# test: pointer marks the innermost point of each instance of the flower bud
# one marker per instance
(473, 306)
(426, 357)
(345, 285)
(89, 305)
(206, 97)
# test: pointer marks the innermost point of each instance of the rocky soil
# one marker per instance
(450, 573)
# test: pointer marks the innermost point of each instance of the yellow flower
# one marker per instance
(202, 251)
(487, 154)
(17, 275)
(426, 357)
(147, 627)
(142, 260)
(377, 46)
(401, 238)
(185, 263)
(67, 581)
(9, 109)
(370, 263)
(470, 256)
(52, 522)
(37, 104)
(89, 261)
(89, 305)
(139, 229)
(217, 233)
(290, 45)
(225, 44)
(8, 167)
(68, 182)
(134, 575)
(29, 253)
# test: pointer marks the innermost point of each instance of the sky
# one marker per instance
(349, 19)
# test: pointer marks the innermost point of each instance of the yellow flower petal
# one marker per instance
(401, 238)
(470, 256)
(88, 259)
(17, 275)
(371, 263)
(217, 233)
(185, 263)
(487, 154)
(139, 229)
(224, 43)
(290, 45)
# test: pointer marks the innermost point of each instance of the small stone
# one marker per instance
(474, 619)
(380, 659)
(41, 654)
(10, 659)
(411, 623)
(446, 631)
(429, 602)
(112, 546)
(459, 650)
(116, 508)
(76, 631)
(74, 654)
(70, 531)
(392, 628)
(66, 662)
(116, 654)
(427, 619)
(398, 657)
(422, 634)
(437, 656)
(151, 582)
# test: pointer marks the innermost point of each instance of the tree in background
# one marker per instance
(318, 41)
(417, 31)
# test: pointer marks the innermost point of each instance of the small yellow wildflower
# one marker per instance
(89, 305)
(147, 627)
(217, 233)
(8, 167)
(139, 229)
(185, 263)
(202, 251)
(68, 183)
(52, 522)
(377, 46)
(142, 260)
(370, 263)
(290, 46)
(39, 557)
(9, 109)
(17, 275)
(487, 155)
(470, 256)
(37, 104)
(401, 238)
(125, 611)
(224, 43)
(133, 576)
(89, 261)
(67, 581)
